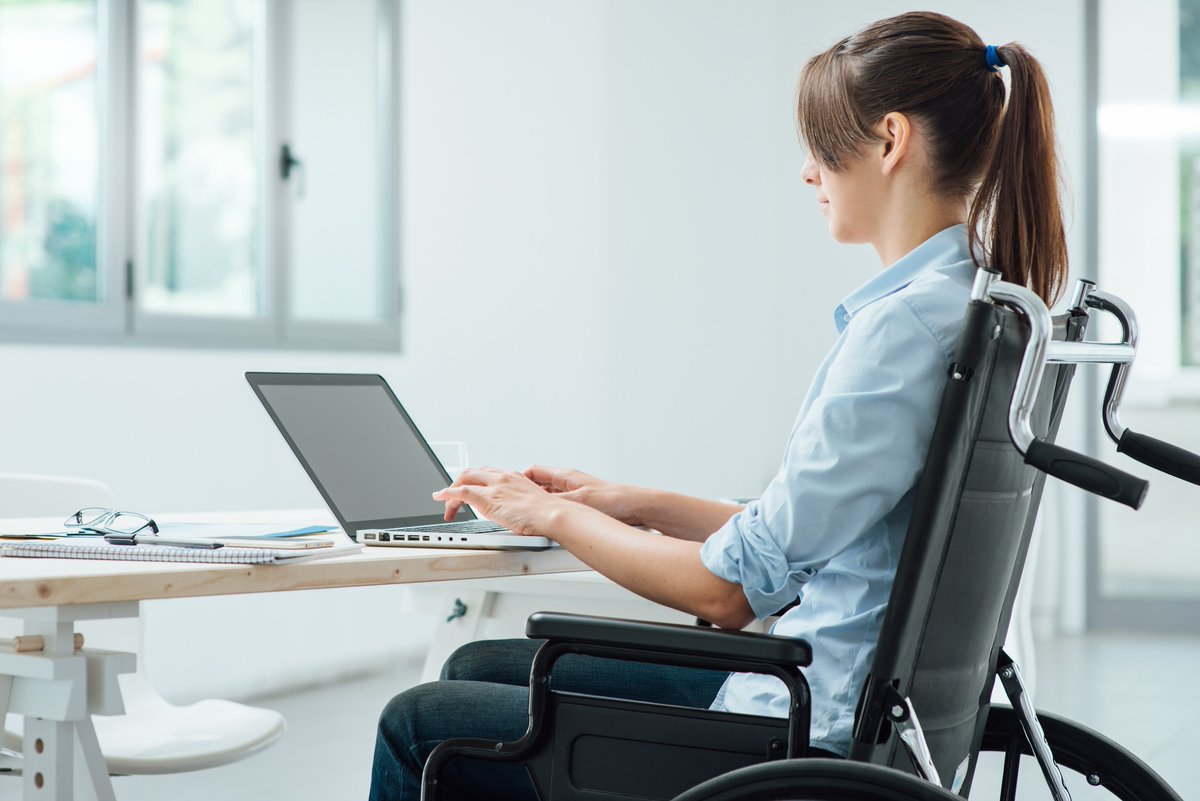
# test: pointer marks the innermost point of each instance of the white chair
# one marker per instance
(153, 736)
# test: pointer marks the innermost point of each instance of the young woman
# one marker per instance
(913, 148)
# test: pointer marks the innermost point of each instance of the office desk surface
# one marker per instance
(65, 582)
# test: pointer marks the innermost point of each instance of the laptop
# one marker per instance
(371, 464)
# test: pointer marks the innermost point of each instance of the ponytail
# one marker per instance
(1018, 199)
(938, 71)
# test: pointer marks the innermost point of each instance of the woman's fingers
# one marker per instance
(481, 476)
(553, 479)
(457, 496)
(466, 489)
(541, 475)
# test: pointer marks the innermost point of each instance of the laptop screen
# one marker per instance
(359, 447)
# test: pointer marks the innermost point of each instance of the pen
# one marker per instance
(154, 539)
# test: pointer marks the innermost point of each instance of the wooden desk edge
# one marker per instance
(352, 571)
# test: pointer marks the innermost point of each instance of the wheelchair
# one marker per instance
(940, 647)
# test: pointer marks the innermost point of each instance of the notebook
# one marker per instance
(99, 549)
(371, 464)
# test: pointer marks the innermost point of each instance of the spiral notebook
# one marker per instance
(167, 553)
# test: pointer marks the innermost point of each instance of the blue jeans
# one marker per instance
(484, 692)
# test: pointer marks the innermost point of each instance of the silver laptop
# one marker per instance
(371, 464)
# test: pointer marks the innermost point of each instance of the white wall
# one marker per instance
(609, 262)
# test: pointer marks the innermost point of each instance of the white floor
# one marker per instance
(1138, 690)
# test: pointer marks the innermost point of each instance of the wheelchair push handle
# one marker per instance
(1160, 455)
(1087, 473)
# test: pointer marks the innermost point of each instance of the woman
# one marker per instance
(913, 149)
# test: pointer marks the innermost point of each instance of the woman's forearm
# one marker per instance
(666, 570)
(681, 516)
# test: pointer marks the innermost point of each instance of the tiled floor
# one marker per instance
(1137, 690)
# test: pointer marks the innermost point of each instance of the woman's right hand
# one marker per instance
(615, 500)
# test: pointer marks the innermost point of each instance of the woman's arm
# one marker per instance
(682, 516)
(671, 513)
(666, 570)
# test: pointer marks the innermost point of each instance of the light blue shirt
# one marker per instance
(829, 528)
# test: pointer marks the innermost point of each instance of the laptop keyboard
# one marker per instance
(461, 527)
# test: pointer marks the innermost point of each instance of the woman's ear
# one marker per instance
(895, 132)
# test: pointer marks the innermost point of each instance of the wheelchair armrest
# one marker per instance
(669, 638)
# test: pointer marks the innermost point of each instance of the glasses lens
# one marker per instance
(89, 516)
(128, 522)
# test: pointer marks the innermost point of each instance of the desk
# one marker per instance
(59, 689)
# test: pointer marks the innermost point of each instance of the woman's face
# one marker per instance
(849, 198)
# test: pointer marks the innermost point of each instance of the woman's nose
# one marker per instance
(809, 172)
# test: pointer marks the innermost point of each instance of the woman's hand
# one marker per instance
(505, 497)
(615, 500)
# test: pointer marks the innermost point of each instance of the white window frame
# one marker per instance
(115, 318)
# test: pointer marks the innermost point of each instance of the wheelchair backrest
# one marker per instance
(975, 507)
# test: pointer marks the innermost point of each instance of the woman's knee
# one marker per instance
(495, 661)
(419, 718)
(399, 719)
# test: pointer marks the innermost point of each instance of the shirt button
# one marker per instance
(846, 317)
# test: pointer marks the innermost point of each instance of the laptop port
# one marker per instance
(385, 537)
(414, 537)
(425, 538)
(369, 536)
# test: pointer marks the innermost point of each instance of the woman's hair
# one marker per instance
(938, 72)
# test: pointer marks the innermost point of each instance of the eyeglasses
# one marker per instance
(115, 525)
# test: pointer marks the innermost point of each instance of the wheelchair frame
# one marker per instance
(761, 750)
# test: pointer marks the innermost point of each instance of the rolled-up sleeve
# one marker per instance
(857, 447)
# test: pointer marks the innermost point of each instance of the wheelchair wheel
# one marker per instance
(816, 780)
(1093, 766)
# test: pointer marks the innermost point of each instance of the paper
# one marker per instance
(51, 535)
(225, 531)
(264, 531)
(93, 549)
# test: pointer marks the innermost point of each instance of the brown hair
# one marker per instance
(935, 70)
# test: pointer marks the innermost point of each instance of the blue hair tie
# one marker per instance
(993, 59)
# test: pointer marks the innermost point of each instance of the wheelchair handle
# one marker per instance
(1087, 473)
(1160, 455)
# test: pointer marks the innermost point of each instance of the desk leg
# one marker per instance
(48, 772)
(57, 690)
(95, 768)
(49, 758)
(461, 618)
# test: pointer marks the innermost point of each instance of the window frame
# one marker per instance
(116, 317)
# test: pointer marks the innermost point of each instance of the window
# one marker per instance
(199, 172)
(49, 149)
(1144, 567)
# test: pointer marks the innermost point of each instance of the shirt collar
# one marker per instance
(946, 247)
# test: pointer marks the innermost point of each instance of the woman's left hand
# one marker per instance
(506, 497)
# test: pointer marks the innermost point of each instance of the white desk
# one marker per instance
(58, 690)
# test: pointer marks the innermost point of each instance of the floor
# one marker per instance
(1135, 689)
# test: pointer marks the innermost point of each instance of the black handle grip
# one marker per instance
(1160, 455)
(1087, 473)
